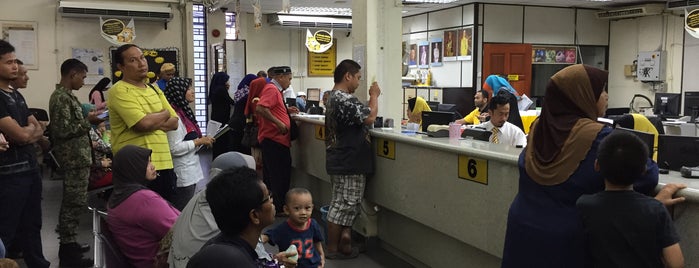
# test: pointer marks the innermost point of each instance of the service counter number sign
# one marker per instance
(320, 132)
(473, 169)
(386, 148)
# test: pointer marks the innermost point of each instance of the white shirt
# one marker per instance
(289, 92)
(509, 134)
(185, 159)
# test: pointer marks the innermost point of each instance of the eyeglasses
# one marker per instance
(269, 197)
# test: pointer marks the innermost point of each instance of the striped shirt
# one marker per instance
(128, 104)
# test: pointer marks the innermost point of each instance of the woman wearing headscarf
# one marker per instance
(221, 103)
(137, 217)
(497, 85)
(557, 167)
(415, 108)
(184, 141)
(237, 122)
(97, 94)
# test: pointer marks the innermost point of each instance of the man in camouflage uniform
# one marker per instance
(348, 155)
(69, 131)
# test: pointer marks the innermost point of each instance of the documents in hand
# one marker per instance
(215, 129)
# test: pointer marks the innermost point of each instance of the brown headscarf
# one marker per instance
(256, 87)
(563, 134)
(129, 173)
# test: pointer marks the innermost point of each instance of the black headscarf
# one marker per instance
(218, 85)
(129, 173)
(100, 86)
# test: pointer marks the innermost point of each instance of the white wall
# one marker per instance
(630, 36)
(277, 46)
(58, 35)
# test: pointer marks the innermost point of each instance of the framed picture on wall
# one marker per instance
(423, 54)
(24, 37)
(554, 54)
(436, 50)
(450, 45)
(412, 58)
(465, 43)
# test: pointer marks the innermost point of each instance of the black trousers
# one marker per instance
(276, 165)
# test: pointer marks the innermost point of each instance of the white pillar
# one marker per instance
(376, 32)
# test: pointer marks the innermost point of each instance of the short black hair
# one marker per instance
(346, 66)
(72, 65)
(6, 47)
(484, 94)
(262, 74)
(622, 158)
(232, 194)
(118, 54)
(499, 99)
(294, 191)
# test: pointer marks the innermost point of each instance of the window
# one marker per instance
(199, 57)
(231, 30)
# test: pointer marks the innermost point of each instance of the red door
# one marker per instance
(511, 60)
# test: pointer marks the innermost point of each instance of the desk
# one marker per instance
(680, 128)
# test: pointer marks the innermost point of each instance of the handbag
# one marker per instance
(249, 133)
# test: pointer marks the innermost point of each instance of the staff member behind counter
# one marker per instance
(503, 132)
(415, 108)
(480, 113)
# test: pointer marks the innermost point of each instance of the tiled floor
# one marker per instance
(375, 257)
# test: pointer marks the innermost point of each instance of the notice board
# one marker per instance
(323, 64)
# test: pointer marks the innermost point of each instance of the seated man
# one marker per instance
(503, 131)
(196, 225)
(480, 113)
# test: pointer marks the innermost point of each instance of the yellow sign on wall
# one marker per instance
(323, 64)
(386, 148)
(473, 169)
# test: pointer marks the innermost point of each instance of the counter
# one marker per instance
(436, 202)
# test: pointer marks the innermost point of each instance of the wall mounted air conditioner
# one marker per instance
(688, 4)
(630, 12)
(107, 9)
(307, 21)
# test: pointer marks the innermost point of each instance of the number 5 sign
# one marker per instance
(473, 169)
(386, 148)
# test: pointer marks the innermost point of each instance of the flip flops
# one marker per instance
(340, 256)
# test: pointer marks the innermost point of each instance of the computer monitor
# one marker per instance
(436, 118)
(434, 105)
(444, 107)
(677, 151)
(290, 102)
(476, 133)
(647, 137)
(691, 104)
(667, 104)
(312, 103)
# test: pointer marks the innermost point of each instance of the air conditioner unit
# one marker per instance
(108, 9)
(630, 12)
(688, 4)
(307, 21)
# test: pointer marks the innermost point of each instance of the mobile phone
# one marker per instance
(103, 115)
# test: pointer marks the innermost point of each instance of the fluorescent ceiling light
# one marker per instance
(321, 11)
(429, 1)
(282, 17)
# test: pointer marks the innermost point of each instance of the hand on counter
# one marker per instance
(666, 193)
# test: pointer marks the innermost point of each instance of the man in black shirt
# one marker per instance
(348, 155)
(20, 178)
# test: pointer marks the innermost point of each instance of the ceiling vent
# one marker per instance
(683, 4)
(631, 12)
(307, 21)
(107, 9)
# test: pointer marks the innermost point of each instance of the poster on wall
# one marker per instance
(92, 57)
(691, 22)
(24, 37)
(423, 54)
(449, 45)
(322, 64)
(436, 49)
(155, 58)
(412, 60)
(465, 44)
(554, 55)
(117, 32)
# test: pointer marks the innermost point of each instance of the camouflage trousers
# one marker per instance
(74, 203)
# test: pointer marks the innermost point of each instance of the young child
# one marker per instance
(299, 230)
(624, 228)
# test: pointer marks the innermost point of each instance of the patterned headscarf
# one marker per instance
(175, 93)
(493, 84)
(560, 139)
(243, 87)
(256, 87)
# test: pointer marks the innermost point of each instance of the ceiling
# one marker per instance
(273, 6)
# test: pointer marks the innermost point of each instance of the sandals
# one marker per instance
(340, 256)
